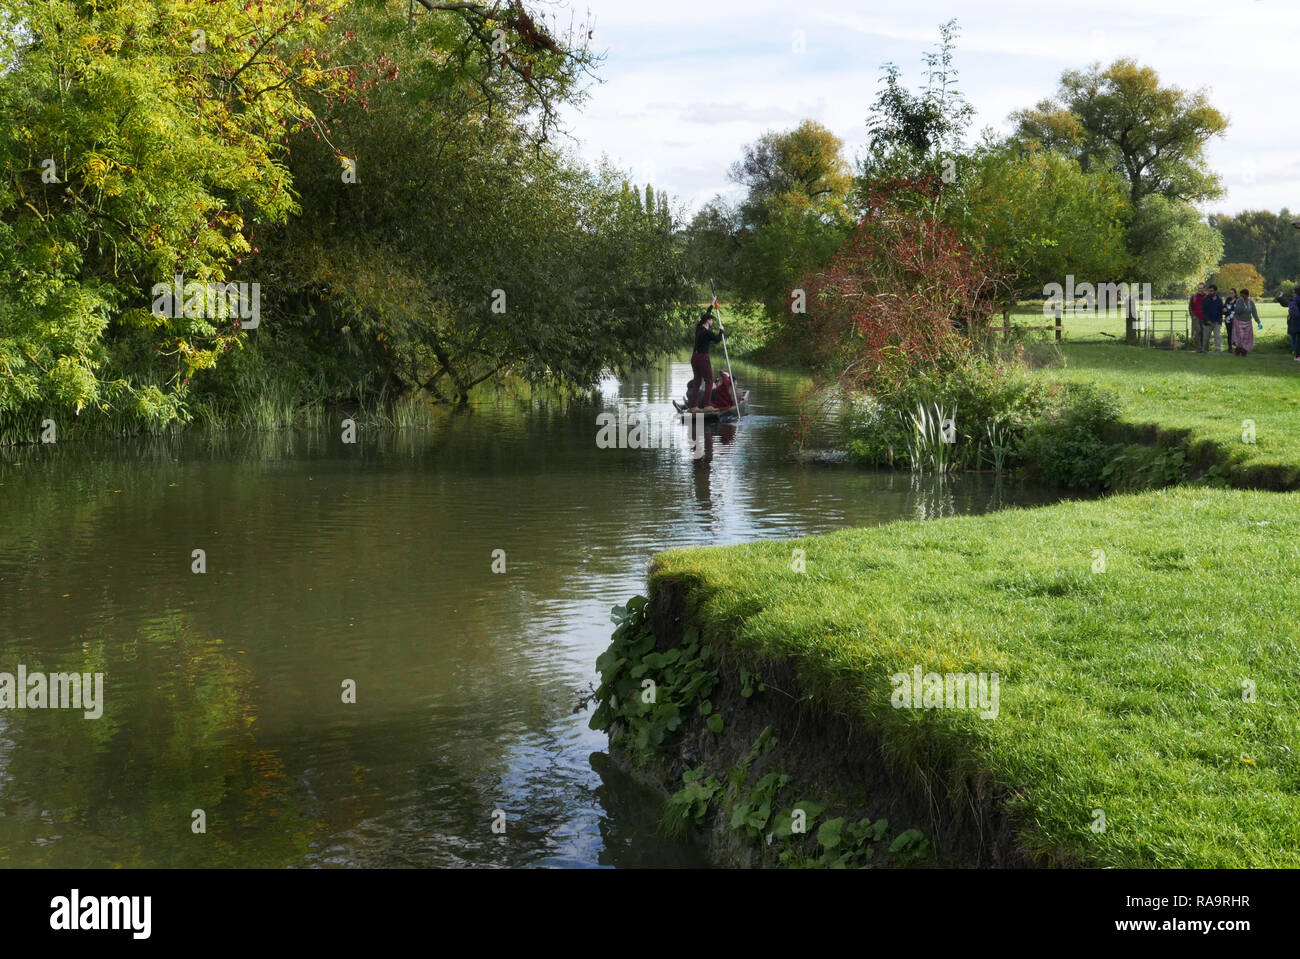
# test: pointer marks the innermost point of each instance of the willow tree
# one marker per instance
(794, 215)
(1123, 118)
(466, 245)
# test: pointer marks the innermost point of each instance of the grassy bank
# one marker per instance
(1125, 680)
(1205, 403)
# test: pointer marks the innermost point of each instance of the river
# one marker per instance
(225, 738)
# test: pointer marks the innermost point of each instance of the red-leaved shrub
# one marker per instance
(903, 293)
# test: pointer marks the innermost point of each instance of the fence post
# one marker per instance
(1058, 322)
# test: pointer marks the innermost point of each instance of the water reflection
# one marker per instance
(373, 563)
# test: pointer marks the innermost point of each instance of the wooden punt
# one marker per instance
(713, 412)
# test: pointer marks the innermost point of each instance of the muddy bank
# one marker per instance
(746, 749)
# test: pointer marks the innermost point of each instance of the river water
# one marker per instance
(225, 738)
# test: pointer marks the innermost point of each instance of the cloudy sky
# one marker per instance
(687, 83)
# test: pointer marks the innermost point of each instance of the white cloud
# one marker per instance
(688, 83)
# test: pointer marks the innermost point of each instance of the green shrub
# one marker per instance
(1145, 467)
(1068, 446)
(984, 391)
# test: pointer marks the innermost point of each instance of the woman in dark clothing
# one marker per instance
(701, 366)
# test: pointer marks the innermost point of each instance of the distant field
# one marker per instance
(1094, 328)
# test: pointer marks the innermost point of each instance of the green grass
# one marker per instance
(1209, 398)
(1120, 690)
(1094, 327)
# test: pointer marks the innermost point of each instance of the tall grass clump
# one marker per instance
(930, 446)
(883, 428)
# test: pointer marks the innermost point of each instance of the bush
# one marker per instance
(1069, 446)
(983, 391)
(1145, 467)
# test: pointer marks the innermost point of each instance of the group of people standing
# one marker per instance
(1212, 314)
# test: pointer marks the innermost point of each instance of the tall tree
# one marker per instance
(1122, 118)
(142, 139)
(1264, 239)
(1175, 248)
(471, 248)
(712, 243)
(909, 133)
(795, 212)
(1038, 217)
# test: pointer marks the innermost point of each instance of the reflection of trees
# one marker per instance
(176, 735)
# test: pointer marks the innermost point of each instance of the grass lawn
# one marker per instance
(1120, 690)
(1094, 328)
(1211, 397)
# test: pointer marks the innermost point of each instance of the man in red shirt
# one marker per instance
(1198, 320)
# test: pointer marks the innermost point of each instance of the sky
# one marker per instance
(685, 84)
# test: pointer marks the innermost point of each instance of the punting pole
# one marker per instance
(735, 390)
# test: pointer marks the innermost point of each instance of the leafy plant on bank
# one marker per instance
(644, 698)
(985, 389)
(931, 442)
(644, 694)
(1069, 446)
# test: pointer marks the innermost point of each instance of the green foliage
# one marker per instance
(911, 846)
(649, 693)
(852, 845)
(1067, 447)
(649, 731)
(983, 391)
(1040, 217)
(1265, 239)
(931, 442)
(129, 157)
(1121, 118)
(1173, 248)
(752, 813)
(1201, 406)
(909, 133)
(1145, 467)
(794, 216)
(378, 169)
(472, 249)
(690, 804)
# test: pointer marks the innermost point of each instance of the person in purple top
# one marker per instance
(1293, 323)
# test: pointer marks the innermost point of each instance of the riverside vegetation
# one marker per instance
(1165, 738)
(1148, 717)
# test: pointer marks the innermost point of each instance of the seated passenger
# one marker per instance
(724, 396)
